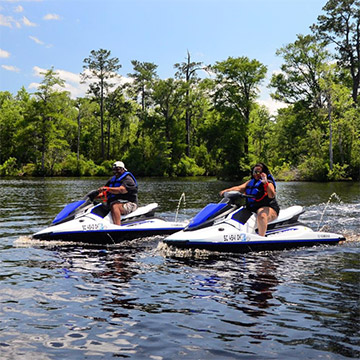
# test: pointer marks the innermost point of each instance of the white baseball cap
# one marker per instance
(119, 164)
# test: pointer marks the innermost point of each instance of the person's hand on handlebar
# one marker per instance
(103, 188)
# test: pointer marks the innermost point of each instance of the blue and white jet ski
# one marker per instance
(89, 221)
(227, 226)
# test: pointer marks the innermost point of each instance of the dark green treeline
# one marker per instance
(205, 120)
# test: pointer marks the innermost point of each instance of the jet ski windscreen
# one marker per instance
(67, 210)
(206, 213)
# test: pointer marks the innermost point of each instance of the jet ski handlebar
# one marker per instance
(97, 194)
(232, 196)
(92, 195)
(235, 194)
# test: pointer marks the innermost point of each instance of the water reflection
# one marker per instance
(133, 301)
(263, 284)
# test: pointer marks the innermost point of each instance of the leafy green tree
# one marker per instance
(85, 110)
(87, 131)
(353, 117)
(100, 67)
(298, 80)
(199, 109)
(186, 126)
(120, 111)
(340, 117)
(168, 96)
(327, 87)
(42, 131)
(289, 140)
(140, 90)
(314, 87)
(236, 87)
(299, 128)
(10, 115)
(187, 71)
(49, 107)
(261, 135)
(9, 168)
(144, 75)
(12, 112)
(340, 26)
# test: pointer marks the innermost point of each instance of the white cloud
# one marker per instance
(10, 68)
(51, 17)
(37, 71)
(19, 9)
(6, 20)
(69, 76)
(4, 54)
(72, 81)
(27, 22)
(272, 105)
(38, 41)
(266, 100)
(33, 85)
(35, 39)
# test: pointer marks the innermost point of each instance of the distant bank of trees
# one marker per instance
(191, 125)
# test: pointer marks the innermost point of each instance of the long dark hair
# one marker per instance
(265, 169)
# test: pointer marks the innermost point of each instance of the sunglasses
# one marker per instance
(257, 172)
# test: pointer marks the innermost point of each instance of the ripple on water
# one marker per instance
(139, 300)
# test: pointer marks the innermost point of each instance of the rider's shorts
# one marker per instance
(129, 207)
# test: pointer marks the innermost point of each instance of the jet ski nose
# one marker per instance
(42, 235)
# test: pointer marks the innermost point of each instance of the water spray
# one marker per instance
(182, 197)
(327, 204)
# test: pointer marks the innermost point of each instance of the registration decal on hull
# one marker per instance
(235, 237)
(93, 227)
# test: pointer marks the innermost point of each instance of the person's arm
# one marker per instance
(114, 190)
(128, 185)
(241, 188)
(118, 190)
(271, 192)
(268, 186)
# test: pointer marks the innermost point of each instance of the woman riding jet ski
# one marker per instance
(261, 189)
(260, 225)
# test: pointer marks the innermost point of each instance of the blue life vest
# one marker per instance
(256, 189)
(117, 182)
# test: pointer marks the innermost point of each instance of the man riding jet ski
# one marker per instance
(122, 192)
(90, 221)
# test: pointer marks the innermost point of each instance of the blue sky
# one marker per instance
(36, 35)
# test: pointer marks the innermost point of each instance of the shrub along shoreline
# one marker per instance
(87, 168)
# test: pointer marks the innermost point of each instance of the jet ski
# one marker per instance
(228, 226)
(89, 221)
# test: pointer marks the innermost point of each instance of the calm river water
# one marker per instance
(138, 301)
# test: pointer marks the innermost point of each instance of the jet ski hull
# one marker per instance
(231, 229)
(249, 246)
(103, 236)
(93, 225)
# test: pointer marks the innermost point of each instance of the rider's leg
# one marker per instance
(264, 216)
(116, 211)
